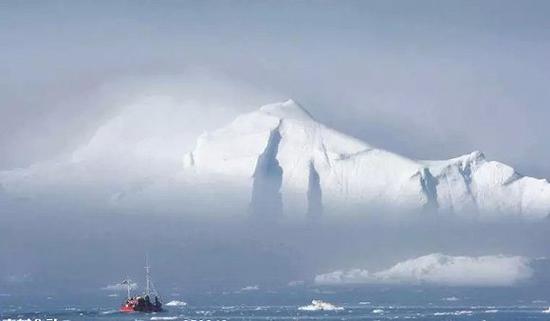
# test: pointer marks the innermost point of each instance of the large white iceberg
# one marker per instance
(273, 161)
(288, 162)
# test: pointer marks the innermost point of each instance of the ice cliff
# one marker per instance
(290, 163)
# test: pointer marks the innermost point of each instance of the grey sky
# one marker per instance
(428, 79)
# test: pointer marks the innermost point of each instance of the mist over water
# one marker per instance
(70, 251)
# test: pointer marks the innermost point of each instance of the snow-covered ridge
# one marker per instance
(288, 109)
(291, 163)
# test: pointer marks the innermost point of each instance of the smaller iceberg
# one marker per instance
(176, 303)
(547, 310)
(318, 305)
(250, 288)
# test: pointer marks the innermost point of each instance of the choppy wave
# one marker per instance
(350, 311)
(165, 318)
(462, 312)
(110, 312)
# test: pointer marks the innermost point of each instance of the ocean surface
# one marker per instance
(367, 303)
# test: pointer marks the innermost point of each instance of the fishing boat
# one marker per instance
(148, 302)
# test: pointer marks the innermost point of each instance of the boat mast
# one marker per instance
(127, 282)
(147, 275)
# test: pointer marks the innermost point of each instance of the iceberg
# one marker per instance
(176, 303)
(318, 305)
(289, 162)
(439, 269)
(272, 162)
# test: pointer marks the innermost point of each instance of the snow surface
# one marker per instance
(348, 173)
(439, 269)
(318, 305)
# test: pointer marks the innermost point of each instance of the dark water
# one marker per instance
(368, 303)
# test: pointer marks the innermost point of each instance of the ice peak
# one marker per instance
(475, 156)
(289, 109)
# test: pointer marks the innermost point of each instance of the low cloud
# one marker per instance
(439, 269)
(18, 278)
(250, 288)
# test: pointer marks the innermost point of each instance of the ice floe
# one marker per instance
(176, 303)
(319, 305)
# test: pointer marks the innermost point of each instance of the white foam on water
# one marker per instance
(204, 312)
(462, 312)
(230, 307)
(108, 312)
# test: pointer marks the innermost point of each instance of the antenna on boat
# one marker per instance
(128, 284)
(147, 275)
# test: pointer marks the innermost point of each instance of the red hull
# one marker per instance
(126, 308)
(146, 308)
